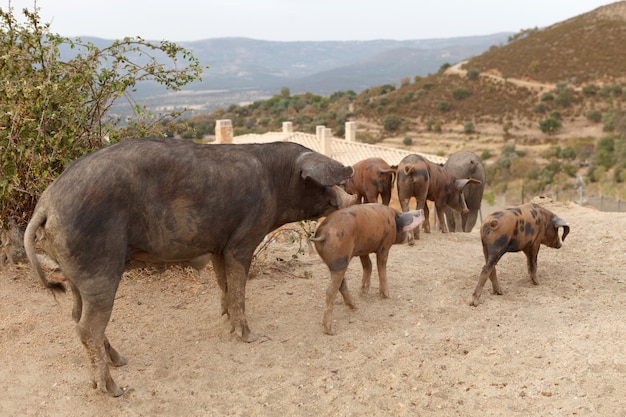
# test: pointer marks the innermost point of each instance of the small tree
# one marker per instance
(443, 106)
(460, 93)
(549, 125)
(392, 123)
(53, 111)
(473, 74)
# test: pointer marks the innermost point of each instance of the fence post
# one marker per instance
(287, 127)
(223, 131)
(318, 132)
(327, 135)
(351, 131)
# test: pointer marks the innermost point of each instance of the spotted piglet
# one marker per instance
(522, 228)
(358, 231)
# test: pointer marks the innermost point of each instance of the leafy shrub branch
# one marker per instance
(55, 109)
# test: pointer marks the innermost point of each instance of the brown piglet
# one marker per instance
(358, 231)
(523, 228)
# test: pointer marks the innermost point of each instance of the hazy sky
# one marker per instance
(299, 20)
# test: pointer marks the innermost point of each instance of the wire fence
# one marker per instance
(578, 196)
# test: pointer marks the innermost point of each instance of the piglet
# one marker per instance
(358, 231)
(522, 228)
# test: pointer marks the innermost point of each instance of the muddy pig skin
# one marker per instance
(358, 231)
(523, 228)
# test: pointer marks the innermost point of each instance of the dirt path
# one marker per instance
(533, 85)
(557, 349)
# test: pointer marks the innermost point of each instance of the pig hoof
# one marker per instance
(329, 331)
(120, 361)
(474, 302)
(245, 334)
(249, 338)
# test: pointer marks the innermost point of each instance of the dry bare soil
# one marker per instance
(557, 349)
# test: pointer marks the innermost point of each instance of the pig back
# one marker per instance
(356, 230)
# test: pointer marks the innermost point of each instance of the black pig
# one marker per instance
(166, 201)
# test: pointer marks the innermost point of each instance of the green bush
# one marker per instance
(550, 125)
(604, 155)
(473, 74)
(391, 123)
(460, 93)
(590, 90)
(564, 96)
(468, 128)
(407, 141)
(594, 116)
(59, 110)
(443, 106)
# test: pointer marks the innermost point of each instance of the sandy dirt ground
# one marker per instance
(556, 349)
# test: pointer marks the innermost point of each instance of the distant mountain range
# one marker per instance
(244, 70)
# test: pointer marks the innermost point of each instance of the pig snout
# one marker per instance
(343, 198)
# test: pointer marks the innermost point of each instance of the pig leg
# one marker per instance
(381, 264)
(484, 274)
(220, 275)
(531, 260)
(337, 283)
(494, 282)
(236, 277)
(386, 196)
(77, 311)
(95, 316)
(488, 271)
(367, 274)
(371, 196)
(426, 224)
(442, 221)
(345, 294)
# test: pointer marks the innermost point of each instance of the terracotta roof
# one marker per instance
(344, 151)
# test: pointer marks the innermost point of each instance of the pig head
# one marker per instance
(523, 228)
(372, 177)
(425, 180)
(358, 231)
(164, 201)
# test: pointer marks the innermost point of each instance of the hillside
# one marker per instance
(545, 91)
(585, 49)
(245, 70)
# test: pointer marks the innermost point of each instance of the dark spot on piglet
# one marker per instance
(339, 264)
(528, 229)
(500, 242)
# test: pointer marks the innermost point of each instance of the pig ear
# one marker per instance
(462, 182)
(322, 170)
(409, 220)
(559, 222)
